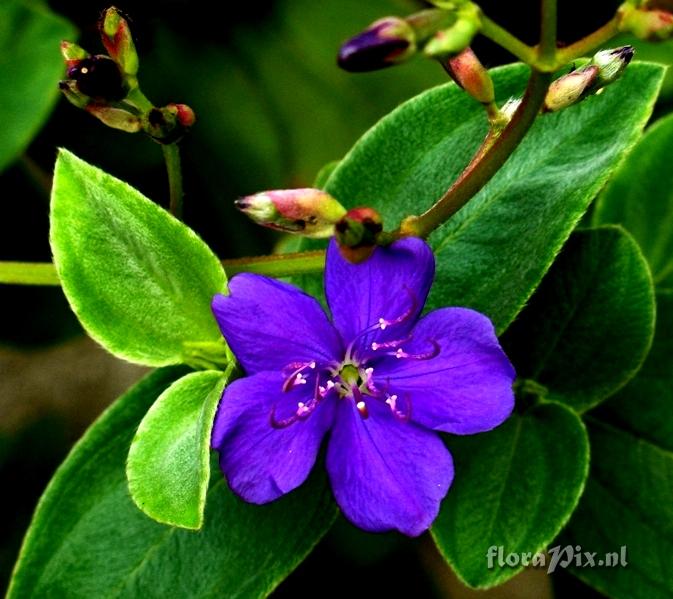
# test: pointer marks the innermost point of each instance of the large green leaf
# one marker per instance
(30, 67)
(88, 539)
(640, 197)
(589, 326)
(168, 467)
(645, 406)
(628, 502)
(139, 280)
(493, 253)
(515, 488)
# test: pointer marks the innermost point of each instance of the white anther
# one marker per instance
(330, 384)
(300, 380)
(311, 365)
(362, 408)
(400, 353)
(375, 346)
(369, 371)
(383, 323)
(391, 400)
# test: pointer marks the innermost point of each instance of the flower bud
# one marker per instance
(650, 24)
(98, 77)
(451, 41)
(72, 53)
(386, 42)
(308, 212)
(466, 70)
(184, 114)
(117, 39)
(72, 94)
(611, 64)
(570, 89)
(357, 233)
(169, 124)
(117, 118)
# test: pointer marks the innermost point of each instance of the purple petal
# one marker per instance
(392, 284)
(466, 388)
(261, 462)
(269, 324)
(386, 474)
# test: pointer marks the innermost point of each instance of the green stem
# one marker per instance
(485, 163)
(547, 47)
(277, 265)
(172, 158)
(28, 273)
(504, 38)
(591, 42)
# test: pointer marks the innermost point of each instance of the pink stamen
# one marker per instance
(403, 415)
(433, 353)
(382, 324)
(296, 377)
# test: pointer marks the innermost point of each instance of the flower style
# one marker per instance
(377, 378)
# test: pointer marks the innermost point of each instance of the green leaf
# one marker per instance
(168, 467)
(515, 488)
(645, 406)
(493, 253)
(88, 539)
(30, 68)
(589, 326)
(139, 280)
(627, 503)
(640, 197)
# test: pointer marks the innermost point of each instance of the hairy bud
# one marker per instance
(604, 68)
(466, 70)
(570, 89)
(118, 41)
(611, 64)
(308, 212)
(386, 42)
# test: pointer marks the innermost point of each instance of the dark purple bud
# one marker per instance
(98, 77)
(386, 42)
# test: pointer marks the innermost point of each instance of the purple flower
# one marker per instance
(377, 378)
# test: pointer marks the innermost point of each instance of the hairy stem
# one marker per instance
(504, 38)
(172, 158)
(277, 265)
(487, 161)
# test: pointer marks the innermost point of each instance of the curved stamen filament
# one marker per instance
(403, 412)
(296, 377)
(382, 323)
(433, 353)
(304, 410)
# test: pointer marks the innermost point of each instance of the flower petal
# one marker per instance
(392, 284)
(261, 462)
(269, 324)
(386, 474)
(466, 388)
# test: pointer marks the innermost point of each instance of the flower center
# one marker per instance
(352, 379)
